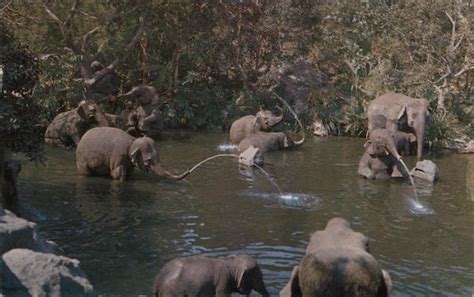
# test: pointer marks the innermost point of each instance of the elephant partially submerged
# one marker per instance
(68, 127)
(248, 125)
(337, 262)
(381, 158)
(395, 111)
(111, 151)
(269, 141)
(199, 276)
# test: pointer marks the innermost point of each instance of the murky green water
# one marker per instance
(124, 232)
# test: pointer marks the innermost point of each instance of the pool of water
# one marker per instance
(123, 233)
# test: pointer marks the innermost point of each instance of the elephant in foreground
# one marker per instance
(395, 111)
(381, 158)
(269, 141)
(111, 151)
(12, 169)
(248, 125)
(337, 262)
(199, 276)
(68, 127)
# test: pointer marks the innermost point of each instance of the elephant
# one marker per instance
(68, 127)
(111, 151)
(269, 141)
(394, 111)
(337, 262)
(145, 119)
(381, 158)
(200, 276)
(141, 122)
(248, 125)
(12, 169)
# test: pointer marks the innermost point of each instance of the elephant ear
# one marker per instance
(257, 122)
(402, 112)
(367, 143)
(83, 109)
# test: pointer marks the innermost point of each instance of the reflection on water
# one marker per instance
(124, 232)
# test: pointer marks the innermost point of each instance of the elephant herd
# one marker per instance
(396, 125)
(337, 261)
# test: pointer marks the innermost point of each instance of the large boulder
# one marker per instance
(16, 232)
(28, 273)
(426, 170)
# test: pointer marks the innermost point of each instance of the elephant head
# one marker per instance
(380, 143)
(337, 262)
(415, 114)
(248, 274)
(266, 119)
(91, 113)
(144, 154)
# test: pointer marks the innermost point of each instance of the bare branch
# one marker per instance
(62, 27)
(86, 37)
(464, 70)
(453, 32)
(72, 12)
(110, 68)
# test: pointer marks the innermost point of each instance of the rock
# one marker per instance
(251, 157)
(16, 232)
(29, 273)
(468, 148)
(319, 129)
(426, 170)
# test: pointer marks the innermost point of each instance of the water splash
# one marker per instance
(289, 200)
(417, 208)
(227, 147)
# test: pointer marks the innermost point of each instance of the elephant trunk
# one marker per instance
(392, 148)
(420, 135)
(166, 174)
(301, 141)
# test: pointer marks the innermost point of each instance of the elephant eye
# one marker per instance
(414, 115)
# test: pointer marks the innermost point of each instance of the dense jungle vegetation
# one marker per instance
(212, 61)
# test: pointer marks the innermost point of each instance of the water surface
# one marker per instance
(123, 233)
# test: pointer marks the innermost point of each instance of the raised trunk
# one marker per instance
(166, 174)
(301, 141)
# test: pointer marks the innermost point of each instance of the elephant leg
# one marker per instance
(83, 170)
(396, 172)
(118, 172)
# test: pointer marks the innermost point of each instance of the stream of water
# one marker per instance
(123, 233)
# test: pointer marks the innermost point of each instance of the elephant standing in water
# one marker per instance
(395, 111)
(111, 151)
(381, 158)
(199, 276)
(145, 120)
(12, 169)
(269, 141)
(248, 125)
(337, 262)
(68, 127)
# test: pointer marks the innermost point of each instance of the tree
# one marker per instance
(20, 113)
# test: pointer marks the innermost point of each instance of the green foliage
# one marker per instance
(204, 55)
(20, 112)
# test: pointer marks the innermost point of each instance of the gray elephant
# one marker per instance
(269, 141)
(111, 151)
(405, 142)
(68, 127)
(381, 158)
(337, 262)
(199, 276)
(248, 125)
(12, 169)
(395, 111)
(145, 119)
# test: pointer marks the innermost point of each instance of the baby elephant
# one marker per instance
(269, 141)
(381, 158)
(111, 151)
(337, 262)
(248, 125)
(68, 127)
(199, 276)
